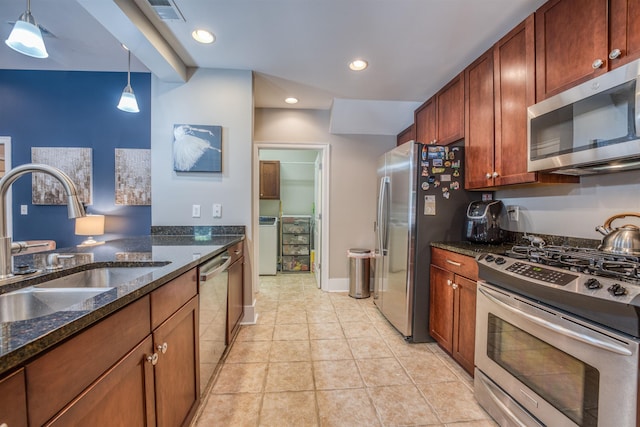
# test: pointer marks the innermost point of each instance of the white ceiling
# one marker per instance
(296, 48)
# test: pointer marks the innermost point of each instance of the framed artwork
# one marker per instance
(75, 162)
(133, 176)
(197, 148)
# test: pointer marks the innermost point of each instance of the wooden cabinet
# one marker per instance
(13, 404)
(452, 307)
(409, 134)
(440, 120)
(577, 40)
(177, 372)
(236, 291)
(270, 179)
(499, 86)
(624, 31)
(59, 376)
(123, 396)
(123, 371)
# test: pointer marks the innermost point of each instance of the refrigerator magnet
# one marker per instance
(437, 162)
(445, 177)
(424, 152)
(445, 192)
(456, 173)
(455, 164)
(429, 204)
(425, 186)
(425, 171)
(437, 170)
(455, 185)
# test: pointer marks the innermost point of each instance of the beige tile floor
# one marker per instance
(326, 359)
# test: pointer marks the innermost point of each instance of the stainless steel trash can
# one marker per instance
(359, 272)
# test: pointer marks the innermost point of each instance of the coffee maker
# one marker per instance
(483, 222)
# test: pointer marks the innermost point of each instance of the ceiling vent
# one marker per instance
(166, 10)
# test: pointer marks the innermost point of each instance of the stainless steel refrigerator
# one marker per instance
(421, 199)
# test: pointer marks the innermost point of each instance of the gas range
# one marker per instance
(597, 286)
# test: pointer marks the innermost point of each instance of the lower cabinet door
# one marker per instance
(235, 302)
(464, 335)
(177, 373)
(441, 307)
(123, 396)
(13, 403)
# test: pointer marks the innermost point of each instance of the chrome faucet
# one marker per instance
(74, 206)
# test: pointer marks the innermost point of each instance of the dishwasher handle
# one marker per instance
(215, 267)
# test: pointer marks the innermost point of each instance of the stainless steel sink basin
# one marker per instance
(32, 302)
(72, 292)
(98, 277)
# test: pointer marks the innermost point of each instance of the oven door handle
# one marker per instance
(556, 328)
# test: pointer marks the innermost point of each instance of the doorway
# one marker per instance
(303, 199)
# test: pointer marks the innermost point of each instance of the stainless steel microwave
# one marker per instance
(589, 129)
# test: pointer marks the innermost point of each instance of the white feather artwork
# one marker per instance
(189, 148)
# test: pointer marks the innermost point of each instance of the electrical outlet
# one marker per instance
(24, 210)
(195, 211)
(217, 210)
(513, 212)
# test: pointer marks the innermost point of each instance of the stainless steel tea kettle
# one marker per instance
(623, 240)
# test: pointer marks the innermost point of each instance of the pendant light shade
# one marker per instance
(26, 37)
(128, 100)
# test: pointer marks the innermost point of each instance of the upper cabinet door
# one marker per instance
(450, 112)
(270, 179)
(425, 122)
(479, 140)
(624, 30)
(514, 81)
(571, 44)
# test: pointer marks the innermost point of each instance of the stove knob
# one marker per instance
(617, 290)
(500, 260)
(593, 284)
(489, 258)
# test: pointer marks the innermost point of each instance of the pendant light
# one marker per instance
(128, 101)
(26, 37)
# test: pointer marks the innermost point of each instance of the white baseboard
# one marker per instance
(337, 285)
(250, 316)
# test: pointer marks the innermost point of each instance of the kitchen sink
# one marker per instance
(98, 277)
(67, 293)
(32, 302)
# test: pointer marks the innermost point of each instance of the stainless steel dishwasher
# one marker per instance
(213, 315)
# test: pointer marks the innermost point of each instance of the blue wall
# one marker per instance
(74, 109)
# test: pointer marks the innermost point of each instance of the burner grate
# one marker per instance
(583, 260)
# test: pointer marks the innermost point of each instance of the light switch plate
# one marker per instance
(195, 211)
(217, 210)
(24, 210)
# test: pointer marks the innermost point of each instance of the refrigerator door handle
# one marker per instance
(383, 216)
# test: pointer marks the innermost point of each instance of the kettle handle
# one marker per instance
(607, 223)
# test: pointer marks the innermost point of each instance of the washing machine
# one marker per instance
(268, 254)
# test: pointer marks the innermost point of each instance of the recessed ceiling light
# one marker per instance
(291, 100)
(203, 36)
(358, 64)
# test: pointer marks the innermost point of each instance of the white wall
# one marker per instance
(352, 202)
(210, 97)
(575, 209)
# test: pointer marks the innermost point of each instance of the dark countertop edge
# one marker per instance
(472, 249)
(23, 354)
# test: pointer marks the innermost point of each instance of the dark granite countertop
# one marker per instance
(22, 340)
(472, 249)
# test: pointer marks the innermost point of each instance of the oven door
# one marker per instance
(562, 370)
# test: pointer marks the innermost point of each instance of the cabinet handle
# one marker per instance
(449, 282)
(615, 53)
(153, 359)
(454, 286)
(495, 174)
(488, 175)
(457, 264)
(597, 64)
(162, 348)
(237, 252)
